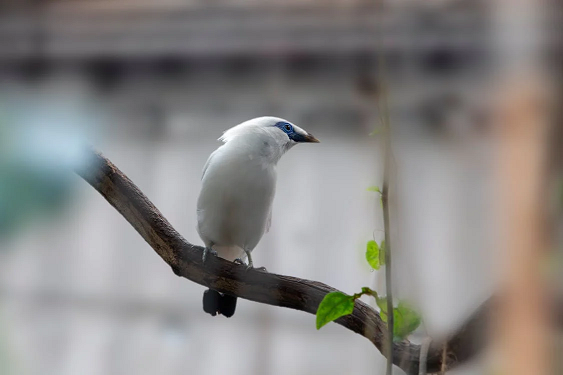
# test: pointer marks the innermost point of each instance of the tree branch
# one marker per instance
(277, 290)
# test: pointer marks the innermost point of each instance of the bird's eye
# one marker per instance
(285, 126)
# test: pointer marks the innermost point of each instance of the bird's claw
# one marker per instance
(249, 265)
(207, 251)
(239, 261)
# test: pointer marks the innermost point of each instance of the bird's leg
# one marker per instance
(250, 264)
(207, 251)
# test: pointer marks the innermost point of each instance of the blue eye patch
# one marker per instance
(286, 127)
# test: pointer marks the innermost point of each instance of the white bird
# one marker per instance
(234, 208)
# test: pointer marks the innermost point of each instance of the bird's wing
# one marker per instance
(269, 222)
(207, 163)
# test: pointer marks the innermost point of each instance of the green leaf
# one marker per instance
(376, 131)
(382, 304)
(375, 254)
(372, 255)
(333, 306)
(406, 322)
(405, 319)
(375, 189)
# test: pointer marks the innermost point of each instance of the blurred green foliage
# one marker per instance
(36, 173)
(406, 319)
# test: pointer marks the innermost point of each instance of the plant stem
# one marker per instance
(384, 110)
(388, 264)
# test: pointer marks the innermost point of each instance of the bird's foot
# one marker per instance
(239, 261)
(206, 252)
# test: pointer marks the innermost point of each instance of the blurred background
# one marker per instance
(153, 84)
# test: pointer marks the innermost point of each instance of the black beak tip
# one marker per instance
(311, 138)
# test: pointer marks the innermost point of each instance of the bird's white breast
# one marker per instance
(235, 202)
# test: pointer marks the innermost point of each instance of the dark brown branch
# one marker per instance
(269, 288)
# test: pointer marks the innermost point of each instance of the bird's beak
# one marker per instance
(310, 138)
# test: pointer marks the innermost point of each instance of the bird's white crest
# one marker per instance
(260, 125)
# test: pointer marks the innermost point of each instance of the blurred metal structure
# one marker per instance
(101, 29)
(439, 55)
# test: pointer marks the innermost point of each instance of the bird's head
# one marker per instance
(283, 132)
(293, 132)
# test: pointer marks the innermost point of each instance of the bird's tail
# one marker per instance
(216, 303)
